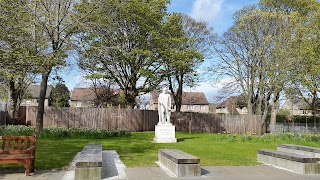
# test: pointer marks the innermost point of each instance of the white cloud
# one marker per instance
(206, 10)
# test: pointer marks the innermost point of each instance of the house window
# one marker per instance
(190, 107)
(202, 107)
(172, 106)
(78, 104)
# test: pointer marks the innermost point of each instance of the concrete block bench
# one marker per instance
(297, 149)
(179, 163)
(89, 163)
(290, 161)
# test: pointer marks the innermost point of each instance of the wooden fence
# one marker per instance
(200, 122)
(143, 120)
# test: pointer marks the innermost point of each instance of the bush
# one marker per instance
(55, 133)
(296, 119)
(16, 130)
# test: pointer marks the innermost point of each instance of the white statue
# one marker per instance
(164, 107)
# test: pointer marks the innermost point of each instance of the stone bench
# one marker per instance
(179, 163)
(297, 149)
(290, 161)
(89, 163)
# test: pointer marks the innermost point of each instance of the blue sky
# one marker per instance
(218, 14)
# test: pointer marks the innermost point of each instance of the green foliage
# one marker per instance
(52, 133)
(57, 133)
(60, 95)
(282, 118)
(16, 130)
(185, 46)
(252, 137)
(121, 40)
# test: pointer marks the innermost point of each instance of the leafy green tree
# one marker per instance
(54, 23)
(121, 41)
(256, 56)
(39, 37)
(60, 95)
(186, 44)
(305, 51)
(16, 52)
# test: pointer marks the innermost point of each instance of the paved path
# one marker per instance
(222, 173)
(38, 175)
(208, 172)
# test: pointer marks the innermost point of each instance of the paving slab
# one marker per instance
(37, 175)
(262, 172)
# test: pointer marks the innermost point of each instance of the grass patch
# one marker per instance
(138, 150)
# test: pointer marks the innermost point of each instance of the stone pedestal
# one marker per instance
(165, 133)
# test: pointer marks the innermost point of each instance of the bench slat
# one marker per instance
(13, 151)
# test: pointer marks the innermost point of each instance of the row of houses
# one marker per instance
(191, 101)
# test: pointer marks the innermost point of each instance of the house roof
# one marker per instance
(86, 94)
(230, 104)
(194, 98)
(83, 94)
(34, 91)
(300, 103)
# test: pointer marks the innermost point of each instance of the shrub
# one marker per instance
(16, 130)
(61, 132)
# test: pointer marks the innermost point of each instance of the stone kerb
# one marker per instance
(89, 163)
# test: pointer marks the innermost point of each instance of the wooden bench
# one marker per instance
(290, 161)
(89, 163)
(297, 149)
(19, 150)
(179, 163)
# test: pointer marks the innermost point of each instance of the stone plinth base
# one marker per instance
(165, 133)
(179, 163)
(93, 173)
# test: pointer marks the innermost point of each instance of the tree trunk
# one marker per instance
(273, 118)
(42, 97)
(314, 108)
(274, 109)
(14, 102)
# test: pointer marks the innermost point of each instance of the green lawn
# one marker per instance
(139, 150)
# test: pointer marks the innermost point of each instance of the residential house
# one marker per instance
(32, 96)
(212, 108)
(297, 106)
(191, 101)
(229, 106)
(91, 97)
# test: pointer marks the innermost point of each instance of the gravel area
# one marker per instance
(112, 167)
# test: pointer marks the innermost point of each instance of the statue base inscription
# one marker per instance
(165, 133)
